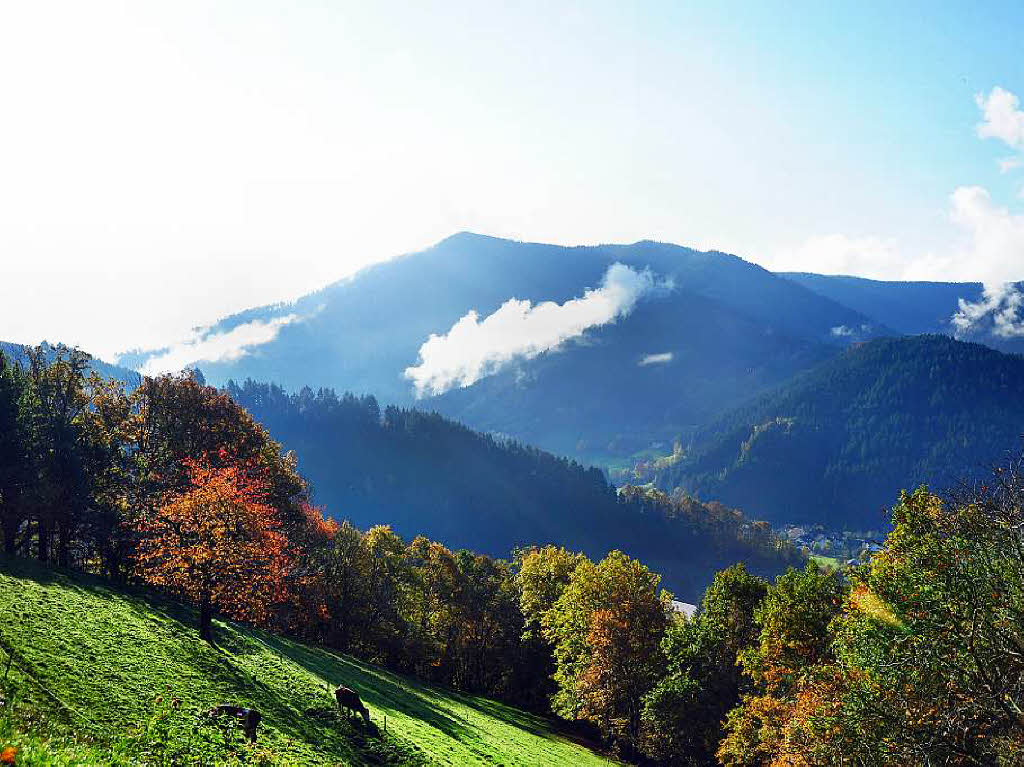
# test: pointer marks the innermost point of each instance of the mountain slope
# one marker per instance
(605, 398)
(734, 325)
(911, 308)
(838, 443)
(104, 655)
(424, 474)
(914, 307)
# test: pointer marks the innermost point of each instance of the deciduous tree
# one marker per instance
(219, 544)
(606, 628)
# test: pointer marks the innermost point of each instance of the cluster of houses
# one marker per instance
(850, 549)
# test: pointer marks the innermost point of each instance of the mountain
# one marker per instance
(720, 331)
(913, 308)
(426, 475)
(602, 400)
(838, 443)
(910, 308)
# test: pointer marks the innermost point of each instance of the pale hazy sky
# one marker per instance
(163, 164)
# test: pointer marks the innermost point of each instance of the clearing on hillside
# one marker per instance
(103, 663)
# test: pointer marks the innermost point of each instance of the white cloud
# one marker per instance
(218, 347)
(997, 252)
(656, 359)
(473, 348)
(1003, 118)
(995, 246)
(1000, 305)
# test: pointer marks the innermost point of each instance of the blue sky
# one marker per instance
(173, 162)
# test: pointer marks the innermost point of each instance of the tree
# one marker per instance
(179, 419)
(381, 625)
(542, 573)
(218, 544)
(108, 427)
(929, 648)
(684, 713)
(334, 567)
(14, 474)
(606, 629)
(55, 406)
(792, 639)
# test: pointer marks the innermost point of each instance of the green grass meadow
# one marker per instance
(100, 675)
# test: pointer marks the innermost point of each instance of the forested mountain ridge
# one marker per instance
(911, 308)
(914, 307)
(426, 475)
(836, 444)
(599, 402)
(724, 329)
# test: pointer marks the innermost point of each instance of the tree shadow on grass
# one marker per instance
(221, 679)
(389, 691)
(380, 689)
(535, 724)
(141, 600)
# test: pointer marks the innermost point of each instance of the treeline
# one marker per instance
(425, 474)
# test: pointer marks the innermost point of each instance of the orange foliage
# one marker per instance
(318, 523)
(755, 732)
(218, 543)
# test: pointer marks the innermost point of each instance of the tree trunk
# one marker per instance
(206, 620)
(63, 546)
(43, 528)
(11, 526)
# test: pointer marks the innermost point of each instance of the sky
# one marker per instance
(165, 164)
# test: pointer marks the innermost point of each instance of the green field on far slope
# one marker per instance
(100, 657)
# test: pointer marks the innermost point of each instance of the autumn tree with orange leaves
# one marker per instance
(218, 544)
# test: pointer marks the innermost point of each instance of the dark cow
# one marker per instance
(249, 717)
(349, 700)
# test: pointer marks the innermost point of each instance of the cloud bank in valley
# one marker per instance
(473, 348)
(216, 347)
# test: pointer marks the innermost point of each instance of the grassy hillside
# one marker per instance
(102, 664)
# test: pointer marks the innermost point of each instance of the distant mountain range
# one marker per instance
(724, 331)
(772, 392)
(910, 308)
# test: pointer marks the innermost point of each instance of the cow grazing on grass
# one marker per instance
(249, 717)
(349, 700)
